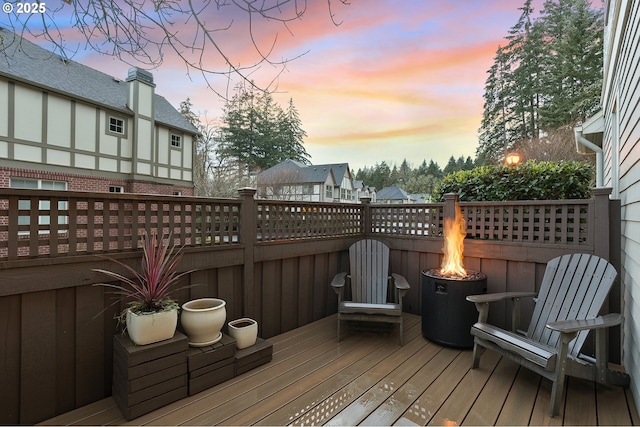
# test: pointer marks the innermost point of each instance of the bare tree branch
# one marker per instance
(147, 32)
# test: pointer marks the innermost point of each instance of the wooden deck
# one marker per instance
(369, 379)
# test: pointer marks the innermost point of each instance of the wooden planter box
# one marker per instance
(254, 356)
(148, 377)
(211, 365)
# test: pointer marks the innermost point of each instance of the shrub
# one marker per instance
(529, 181)
(149, 288)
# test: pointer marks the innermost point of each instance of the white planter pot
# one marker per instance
(152, 327)
(202, 320)
(245, 332)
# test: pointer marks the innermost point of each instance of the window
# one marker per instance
(328, 191)
(177, 193)
(44, 205)
(116, 189)
(116, 125)
(176, 141)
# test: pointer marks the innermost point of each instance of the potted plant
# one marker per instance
(152, 315)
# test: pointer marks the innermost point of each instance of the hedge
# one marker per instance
(529, 181)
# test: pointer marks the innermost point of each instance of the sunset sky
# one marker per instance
(395, 80)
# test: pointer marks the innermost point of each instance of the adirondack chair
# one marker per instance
(572, 292)
(369, 279)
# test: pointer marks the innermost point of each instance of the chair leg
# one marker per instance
(556, 396)
(401, 336)
(561, 366)
(339, 321)
(477, 352)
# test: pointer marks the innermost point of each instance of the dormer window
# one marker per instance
(176, 141)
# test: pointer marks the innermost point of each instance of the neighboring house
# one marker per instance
(420, 198)
(363, 190)
(393, 195)
(66, 126)
(291, 180)
(614, 135)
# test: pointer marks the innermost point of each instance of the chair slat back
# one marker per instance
(574, 286)
(369, 262)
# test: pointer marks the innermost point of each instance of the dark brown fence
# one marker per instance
(270, 260)
(35, 223)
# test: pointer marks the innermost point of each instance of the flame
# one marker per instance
(454, 234)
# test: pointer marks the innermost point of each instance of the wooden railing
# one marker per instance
(565, 222)
(284, 220)
(554, 222)
(407, 220)
(37, 223)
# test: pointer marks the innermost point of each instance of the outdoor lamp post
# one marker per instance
(512, 159)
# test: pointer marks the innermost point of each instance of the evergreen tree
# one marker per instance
(186, 109)
(468, 164)
(434, 170)
(511, 91)
(547, 76)
(257, 133)
(380, 176)
(420, 180)
(293, 135)
(422, 170)
(405, 173)
(573, 63)
(524, 48)
(451, 166)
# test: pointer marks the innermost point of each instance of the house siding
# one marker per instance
(621, 145)
(43, 133)
(59, 116)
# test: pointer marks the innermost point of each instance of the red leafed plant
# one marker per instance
(150, 288)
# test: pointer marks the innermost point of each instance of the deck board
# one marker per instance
(368, 379)
(521, 399)
(457, 406)
(612, 406)
(329, 394)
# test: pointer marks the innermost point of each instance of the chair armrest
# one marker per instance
(338, 280)
(570, 326)
(499, 296)
(401, 287)
(400, 282)
(482, 304)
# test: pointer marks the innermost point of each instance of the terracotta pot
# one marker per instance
(245, 332)
(202, 320)
(152, 327)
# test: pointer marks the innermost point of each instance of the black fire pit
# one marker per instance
(447, 316)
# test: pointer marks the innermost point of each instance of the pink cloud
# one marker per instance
(408, 74)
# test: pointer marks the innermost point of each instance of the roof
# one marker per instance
(305, 173)
(27, 62)
(420, 197)
(339, 170)
(392, 193)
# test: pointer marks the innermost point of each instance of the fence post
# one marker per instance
(366, 215)
(449, 211)
(602, 223)
(248, 221)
